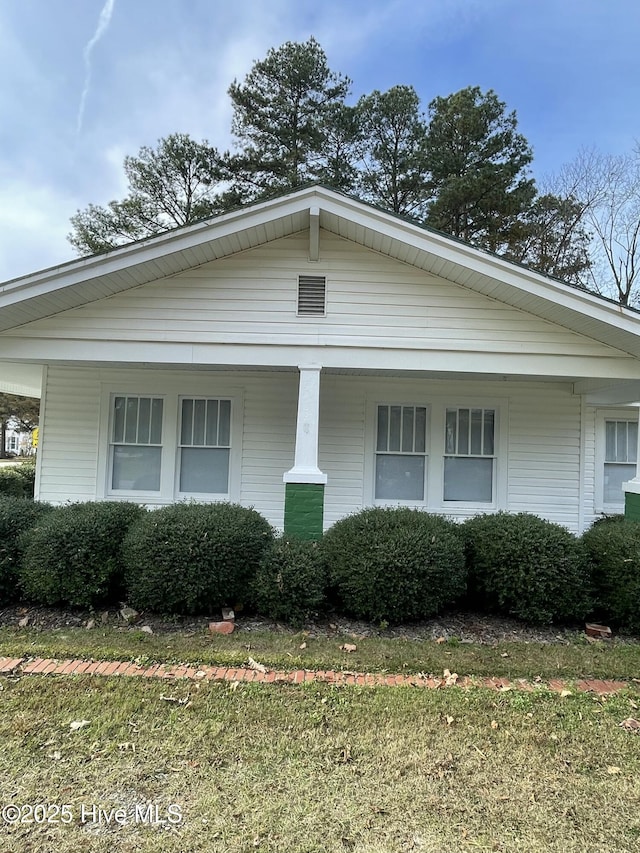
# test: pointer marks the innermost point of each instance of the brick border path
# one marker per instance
(49, 666)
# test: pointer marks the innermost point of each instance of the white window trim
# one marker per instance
(372, 421)
(207, 497)
(171, 391)
(436, 405)
(602, 415)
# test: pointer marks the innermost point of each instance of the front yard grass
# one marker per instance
(316, 768)
(575, 658)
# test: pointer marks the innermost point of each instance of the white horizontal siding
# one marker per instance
(542, 423)
(372, 300)
(69, 436)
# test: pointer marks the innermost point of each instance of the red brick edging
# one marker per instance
(49, 666)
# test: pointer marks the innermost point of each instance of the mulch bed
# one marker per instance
(465, 627)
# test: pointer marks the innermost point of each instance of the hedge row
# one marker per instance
(380, 564)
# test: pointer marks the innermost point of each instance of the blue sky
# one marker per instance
(570, 69)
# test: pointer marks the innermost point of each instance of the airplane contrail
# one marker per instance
(103, 23)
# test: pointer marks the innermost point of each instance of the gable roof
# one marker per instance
(51, 291)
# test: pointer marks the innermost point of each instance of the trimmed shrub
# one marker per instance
(194, 558)
(17, 515)
(18, 480)
(73, 555)
(290, 582)
(523, 566)
(614, 555)
(395, 564)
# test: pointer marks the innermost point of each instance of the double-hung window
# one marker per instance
(469, 455)
(620, 456)
(401, 453)
(205, 446)
(136, 443)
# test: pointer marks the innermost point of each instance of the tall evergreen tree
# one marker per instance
(478, 166)
(280, 115)
(394, 166)
(174, 184)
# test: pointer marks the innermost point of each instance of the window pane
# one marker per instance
(186, 430)
(468, 479)
(489, 421)
(211, 435)
(463, 431)
(224, 431)
(614, 477)
(407, 429)
(610, 441)
(383, 428)
(144, 420)
(199, 409)
(400, 478)
(204, 470)
(118, 419)
(156, 421)
(451, 431)
(632, 452)
(476, 432)
(621, 441)
(136, 468)
(131, 421)
(421, 429)
(394, 431)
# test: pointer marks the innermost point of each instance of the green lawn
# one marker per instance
(315, 768)
(574, 659)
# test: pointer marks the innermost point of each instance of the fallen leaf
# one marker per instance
(56, 755)
(23, 622)
(613, 770)
(127, 745)
(449, 720)
(258, 667)
(450, 678)
(147, 629)
(504, 655)
(633, 704)
(348, 647)
(78, 724)
(441, 640)
(630, 725)
(494, 724)
(565, 693)
(302, 646)
(185, 701)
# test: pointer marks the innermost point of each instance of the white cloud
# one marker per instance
(34, 222)
(103, 24)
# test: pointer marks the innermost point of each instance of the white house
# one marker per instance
(311, 355)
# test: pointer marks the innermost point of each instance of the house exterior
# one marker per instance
(311, 355)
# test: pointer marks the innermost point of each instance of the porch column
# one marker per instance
(305, 482)
(632, 490)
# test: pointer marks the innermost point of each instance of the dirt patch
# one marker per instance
(462, 626)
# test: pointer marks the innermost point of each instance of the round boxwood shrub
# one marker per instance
(73, 555)
(614, 554)
(18, 480)
(17, 515)
(524, 566)
(394, 564)
(290, 582)
(194, 558)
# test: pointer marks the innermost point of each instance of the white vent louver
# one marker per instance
(311, 295)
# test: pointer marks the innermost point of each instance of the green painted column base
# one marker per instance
(632, 506)
(304, 510)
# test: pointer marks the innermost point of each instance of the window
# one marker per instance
(621, 449)
(401, 453)
(136, 443)
(469, 459)
(311, 295)
(205, 446)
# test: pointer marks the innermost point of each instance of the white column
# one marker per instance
(305, 467)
